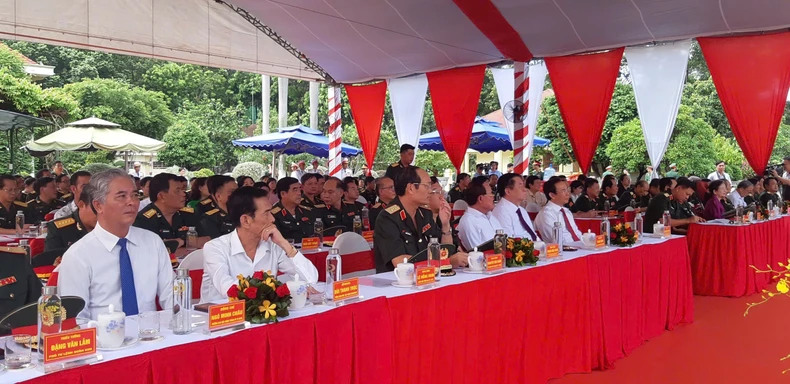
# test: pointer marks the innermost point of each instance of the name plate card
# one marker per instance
(425, 275)
(368, 235)
(667, 232)
(345, 289)
(613, 213)
(226, 315)
(600, 241)
(552, 250)
(495, 262)
(69, 345)
(310, 243)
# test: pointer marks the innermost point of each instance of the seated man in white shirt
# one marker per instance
(478, 224)
(513, 218)
(558, 193)
(736, 197)
(117, 263)
(78, 181)
(255, 245)
(534, 195)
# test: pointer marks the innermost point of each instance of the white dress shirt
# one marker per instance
(717, 176)
(91, 269)
(66, 211)
(224, 259)
(538, 198)
(505, 213)
(550, 214)
(315, 170)
(736, 199)
(475, 228)
(344, 172)
(144, 203)
(297, 174)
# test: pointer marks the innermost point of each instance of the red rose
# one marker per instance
(282, 291)
(251, 292)
(258, 275)
(233, 291)
(536, 253)
(629, 231)
(508, 255)
(614, 236)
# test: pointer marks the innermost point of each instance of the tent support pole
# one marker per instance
(11, 150)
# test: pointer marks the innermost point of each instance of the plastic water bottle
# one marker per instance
(556, 233)
(357, 225)
(770, 208)
(334, 271)
(434, 256)
(182, 302)
(20, 223)
(606, 207)
(365, 219)
(192, 238)
(639, 225)
(606, 229)
(23, 243)
(739, 214)
(50, 309)
(318, 231)
(667, 220)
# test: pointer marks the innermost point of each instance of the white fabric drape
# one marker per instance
(407, 96)
(658, 74)
(503, 82)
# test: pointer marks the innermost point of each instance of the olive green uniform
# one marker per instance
(67, 197)
(370, 196)
(626, 199)
(584, 204)
(396, 234)
(8, 216)
(62, 233)
(374, 212)
(395, 169)
(40, 209)
(293, 226)
(215, 223)
(331, 217)
(603, 199)
(455, 194)
(151, 218)
(766, 197)
(204, 206)
(19, 284)
(664, 202)
(310, 203)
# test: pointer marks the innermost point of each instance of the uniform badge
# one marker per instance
(188, 210)
(213, 211)
(184, 228)
(392, 209)
(64, 222)
(352, 213)
(7, 281)
(403, 215)
(206, 201)
(275, 210)
(305, 219)
(426, 228)
(150, 213)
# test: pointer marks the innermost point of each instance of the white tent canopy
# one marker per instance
(93, 133)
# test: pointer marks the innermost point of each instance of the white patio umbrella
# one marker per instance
(90, 134)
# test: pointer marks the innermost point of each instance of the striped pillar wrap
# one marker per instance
(520, 128)
(335, 131)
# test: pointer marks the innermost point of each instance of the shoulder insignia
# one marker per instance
(305, 207)
(376, 205)
(213, 211)
(276, 210)
(205, 201)
(66, 196)
(395, 165)
(320, 206)
(30, 201)
(150, 213)
(403, 215)
(21, 204)
(392, 209)
(64, 222)
(187, 210)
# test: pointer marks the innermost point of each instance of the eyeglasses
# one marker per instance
(386, 188)
(12, 191)
(419, 184)
(436, 192)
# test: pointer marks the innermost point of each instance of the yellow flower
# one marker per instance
(519, 254)
(618, 227)
(519, 259)
(624, 239)
(268, 309)
(782, 286)
(627, 226)
(270, 282)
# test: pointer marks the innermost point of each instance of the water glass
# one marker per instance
(148, 323)
(18, 351)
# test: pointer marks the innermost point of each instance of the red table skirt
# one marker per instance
(353, 262)
(523, 327)
(721, 256)
(594, 225)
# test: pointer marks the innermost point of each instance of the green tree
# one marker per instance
(221, 125)
(627, 149)
(691, 146)
(186, 146)
(703, 100)
(434, 161)
(727, 149)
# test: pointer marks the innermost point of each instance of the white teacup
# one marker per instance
(588, 239)
(110, 328)
(298, 290)
(658, 230)
(404, 272)
(540, 247)
(476, 261)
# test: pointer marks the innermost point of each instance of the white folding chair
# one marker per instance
(459, 208)
(533, 208)
(193, 261)
(349, 243)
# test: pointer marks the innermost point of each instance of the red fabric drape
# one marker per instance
(367, 109)
(455, 94)
(487, 18)
(583, 86)
(752, 76)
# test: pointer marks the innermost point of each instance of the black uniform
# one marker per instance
(603, 198)
(766, 197)
(375, 210)
(151, 218)
(455, 194)
(8, 216)
(750, 199)
(27, 196)
(332, 217)
(19, 284)
(40, 209)
(67, 197)
(215, 223)
(310, 203)
(584, 204)
(370, 196)
(293, 226)
(62, 233)
(204, 206)
(394, 169)
(396, 234)
(626, 199)
(661, 203)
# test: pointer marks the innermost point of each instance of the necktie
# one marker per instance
(568, 225)
(524, 224)
(128, 293)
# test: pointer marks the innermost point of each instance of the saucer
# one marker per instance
(127, 342)
(467, 270)
(307, 304)
(395, 284)
(160, 337)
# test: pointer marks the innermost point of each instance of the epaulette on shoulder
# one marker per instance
(29, 201)
(213, 211)
(21, 204)
(64, 222)
(187, 210)
(276, 210)
(395, 165)
(392, 209)
(150, 213)
(305, 207)
(376, 205)
(66, 196)
(320, 206)
(205, 201)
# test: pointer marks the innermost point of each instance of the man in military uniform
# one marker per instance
(46, 199)
(588, 200)
(216, 222)
(457, 192)
(680, 212)
(292, 220)
(208, 203)
(166, 215)
(673, 171)
(771, 193)
(62, 233)
(370, 190)
(385, 189)
(310, 190)
(609, 190)
(9, 206)
(77, 183)
(336, 215)
(351, 195)
(19, 284)
(28, 193)
(405, 227)
(63, 184)
(406, 158)
(638, 194)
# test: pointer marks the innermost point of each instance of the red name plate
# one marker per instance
(600, 241)
(552, 250)
(667, 231)
(368, 235)
(69, 345)
(226, 315)
(309, 243)
(613, 212)
(345, 289)
(425, 275)
(495, 262)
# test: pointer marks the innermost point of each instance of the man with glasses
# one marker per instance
(478, 225)
(9, 206)
(292, 220)
(385, 190)
(337, 215)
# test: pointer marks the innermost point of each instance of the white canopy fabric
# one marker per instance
(94, 133)
(360, 40)
(190, 31)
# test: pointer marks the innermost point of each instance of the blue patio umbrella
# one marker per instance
(487, 136)
(293, 141)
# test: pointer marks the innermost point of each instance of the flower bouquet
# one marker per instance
(520, 252)
(623, 236)
(267, 299)
(785, 206)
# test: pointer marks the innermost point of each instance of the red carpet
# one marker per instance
(721, 346)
